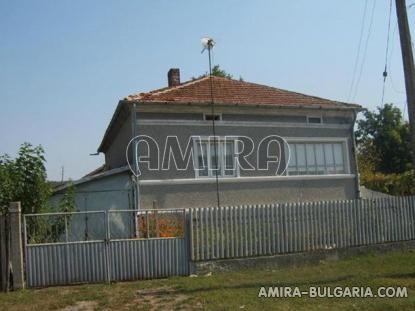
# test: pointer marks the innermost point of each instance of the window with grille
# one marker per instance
(317, 158)
(209, 162)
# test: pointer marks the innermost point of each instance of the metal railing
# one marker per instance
(74, 227)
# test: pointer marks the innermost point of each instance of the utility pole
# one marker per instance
(408, 67)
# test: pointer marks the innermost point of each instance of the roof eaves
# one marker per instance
(117, 111)
(85, 179)
(330, 106)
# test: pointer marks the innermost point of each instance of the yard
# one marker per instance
(235, 290)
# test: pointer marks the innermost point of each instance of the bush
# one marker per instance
(393, 184)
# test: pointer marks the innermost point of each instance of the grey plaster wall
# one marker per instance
(232, 193)
(115, 155)
(239, 193)
(185, 132)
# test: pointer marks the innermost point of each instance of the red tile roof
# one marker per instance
(228, 91)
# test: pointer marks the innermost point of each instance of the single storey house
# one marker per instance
(180, 147)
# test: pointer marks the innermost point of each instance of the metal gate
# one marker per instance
(105, 246)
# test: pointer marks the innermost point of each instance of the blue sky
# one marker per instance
(65, 64)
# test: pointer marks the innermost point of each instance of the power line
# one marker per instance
(358, 51)
(385, 71)
(365, 50)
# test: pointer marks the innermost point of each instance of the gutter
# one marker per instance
(355, 157)
(136, 190)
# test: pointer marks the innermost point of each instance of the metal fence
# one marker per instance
(101, 246)
(257, 230)
(104, 246)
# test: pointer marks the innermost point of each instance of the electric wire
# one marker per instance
(356, 62)
(362, 64)
(385, 71)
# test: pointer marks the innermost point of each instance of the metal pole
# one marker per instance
(108, 246)
(67, 272)
(215, 147)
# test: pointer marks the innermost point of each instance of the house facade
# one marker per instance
(173, 148)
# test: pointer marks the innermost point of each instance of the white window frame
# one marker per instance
(221, 156)
(315, 116)
(209, 114)
(320, 140)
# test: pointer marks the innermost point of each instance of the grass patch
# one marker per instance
(235, 290)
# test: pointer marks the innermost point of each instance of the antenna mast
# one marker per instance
(208, 44)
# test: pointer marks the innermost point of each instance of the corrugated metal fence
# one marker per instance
(257, 230)
(65, 249)
(107, 258)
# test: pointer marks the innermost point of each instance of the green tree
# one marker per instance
(383, 140)
(217, 72)
(24, 179)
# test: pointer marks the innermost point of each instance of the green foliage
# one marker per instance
(67, 203)
(393, 184)
(384, 154)
(48, 229)
(217, 72)
(384, 137)
(24, 179)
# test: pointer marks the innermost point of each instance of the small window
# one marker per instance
(315, 120)
(211, 117)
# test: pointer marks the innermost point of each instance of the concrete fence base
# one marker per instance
(297, 259)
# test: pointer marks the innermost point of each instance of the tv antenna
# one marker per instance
(208, 44)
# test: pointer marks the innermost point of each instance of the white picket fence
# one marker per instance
(257, 230)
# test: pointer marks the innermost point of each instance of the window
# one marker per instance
(315, 120)
(210, 117)
(205, 158)
(317, 158)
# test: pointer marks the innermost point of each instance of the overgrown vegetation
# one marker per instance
(384, 154)
(24, 179)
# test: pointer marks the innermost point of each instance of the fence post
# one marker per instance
(4, 262)
(16, 253)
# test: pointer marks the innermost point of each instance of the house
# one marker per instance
(310, 155)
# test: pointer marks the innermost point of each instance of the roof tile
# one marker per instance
(228, 91)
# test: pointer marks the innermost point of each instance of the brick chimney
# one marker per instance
(173, 76)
